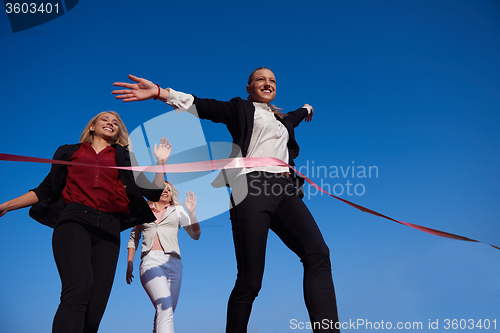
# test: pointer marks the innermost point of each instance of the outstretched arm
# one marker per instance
(25, 200)
(140, 91)
(143, 89)
(297, 116)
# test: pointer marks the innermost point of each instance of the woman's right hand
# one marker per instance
(3, 209)
(130, 268)
(190, 202)
(140, 91)
(162, 151)
(25, 200)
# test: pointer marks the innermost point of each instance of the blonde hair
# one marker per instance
(174, 201)
(121, 138)
(276, 110)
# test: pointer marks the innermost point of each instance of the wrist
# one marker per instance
(163, 94)
(157, 92)
(9, 206)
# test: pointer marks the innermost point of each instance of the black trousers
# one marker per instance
(86, 244)
(272, 203)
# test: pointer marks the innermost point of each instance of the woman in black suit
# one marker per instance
(262, 198)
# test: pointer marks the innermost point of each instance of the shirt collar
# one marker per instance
(263, 106)
(156, 210)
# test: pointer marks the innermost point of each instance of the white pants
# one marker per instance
(161, 276)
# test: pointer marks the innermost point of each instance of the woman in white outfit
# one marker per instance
(161, 268)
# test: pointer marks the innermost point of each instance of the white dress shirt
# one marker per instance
(269, 136)
(167, 229)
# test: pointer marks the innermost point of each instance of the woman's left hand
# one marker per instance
(162, 152)
(190, 202)
(310, 115)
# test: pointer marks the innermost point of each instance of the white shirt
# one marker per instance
(269, 136)
(269, 139)
(167, 229)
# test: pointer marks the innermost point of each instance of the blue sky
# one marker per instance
(409, 87)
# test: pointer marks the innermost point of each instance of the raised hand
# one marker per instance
(162, 152)
(140, 91)
(190, 202)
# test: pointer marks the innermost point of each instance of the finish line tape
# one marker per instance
(239, 162)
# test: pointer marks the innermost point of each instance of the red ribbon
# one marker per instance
(240, 162)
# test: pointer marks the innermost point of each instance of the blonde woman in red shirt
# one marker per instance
(88, 207)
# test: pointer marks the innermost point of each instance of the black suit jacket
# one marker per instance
(51, 203)
(238, 116)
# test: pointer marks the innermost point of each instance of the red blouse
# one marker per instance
(99, 188)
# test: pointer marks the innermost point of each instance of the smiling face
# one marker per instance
(262, 86)
(166, 196)
(106, 126)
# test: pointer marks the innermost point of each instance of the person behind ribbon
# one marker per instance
(161, 267)
(88, 207)
(260, 130)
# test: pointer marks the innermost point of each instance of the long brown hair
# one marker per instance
(276, 110)
(121, 138)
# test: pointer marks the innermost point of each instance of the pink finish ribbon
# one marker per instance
(240, 162)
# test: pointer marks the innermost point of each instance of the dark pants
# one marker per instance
(272, 203)
(86, 244)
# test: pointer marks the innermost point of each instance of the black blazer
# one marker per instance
(51, 202)
(238, 116)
